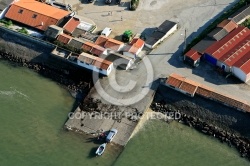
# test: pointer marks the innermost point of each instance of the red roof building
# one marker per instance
(137, 42)
(87, 46)
(114, 44)
(71, 25)
(101, 40)
(227, 25)
(63, 38)
(232, 53)
(35, 14)
(233, 38)
(192, 57)
(98, 50)
(134, 48)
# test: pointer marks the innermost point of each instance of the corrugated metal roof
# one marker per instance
(237, 53)
(241, 14)
(218, 33)
(232, 37)
(203, 45)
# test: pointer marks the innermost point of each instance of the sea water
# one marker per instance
(34, 109)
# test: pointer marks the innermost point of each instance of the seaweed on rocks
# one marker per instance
(242, 144)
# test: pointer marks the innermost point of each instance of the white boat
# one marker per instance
(101, 149)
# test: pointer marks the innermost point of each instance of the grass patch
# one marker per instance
(246, 23)
(7, 23)
(23, 30)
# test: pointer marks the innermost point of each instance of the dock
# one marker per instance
(97, 115)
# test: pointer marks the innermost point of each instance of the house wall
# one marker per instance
(174, 28)
(139, 50)
(130, 63)
(149, 46)
(94, 68)
(120, 48)
(221, 64)
(237, 72)
(179, 90)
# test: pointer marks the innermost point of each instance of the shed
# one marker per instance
(53, 31)
(218, 33)
(76, 43)
(241, 15)
(162, 32)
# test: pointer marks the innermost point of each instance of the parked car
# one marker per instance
(111, 135)
(108, 1)
(106, 32)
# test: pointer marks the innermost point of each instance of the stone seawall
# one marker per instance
(214, 119)
(35, 54)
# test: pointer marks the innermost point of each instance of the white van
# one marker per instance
(106, 32)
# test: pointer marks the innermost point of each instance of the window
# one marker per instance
(34, 16)
(20, 11)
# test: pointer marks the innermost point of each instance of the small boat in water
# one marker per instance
(101, 149)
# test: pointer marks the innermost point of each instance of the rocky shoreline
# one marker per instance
(72, 82)
(242, 144)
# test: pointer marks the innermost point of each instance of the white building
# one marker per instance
(134, 48)
(242, 70)
(162, 32)
(95, 63)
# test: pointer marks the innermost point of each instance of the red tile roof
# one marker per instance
(102, 63)
(113, 44)
(137, 42)
(131, 49)
(71, 25)
(97, 50)
(189, 86)
(101, 40)
(202, 90)
(87, 46)
(182, 83)
(227, 25)
(232, 39)
(64, 38)
(192, 54)
(35, 14)
(175, 80)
